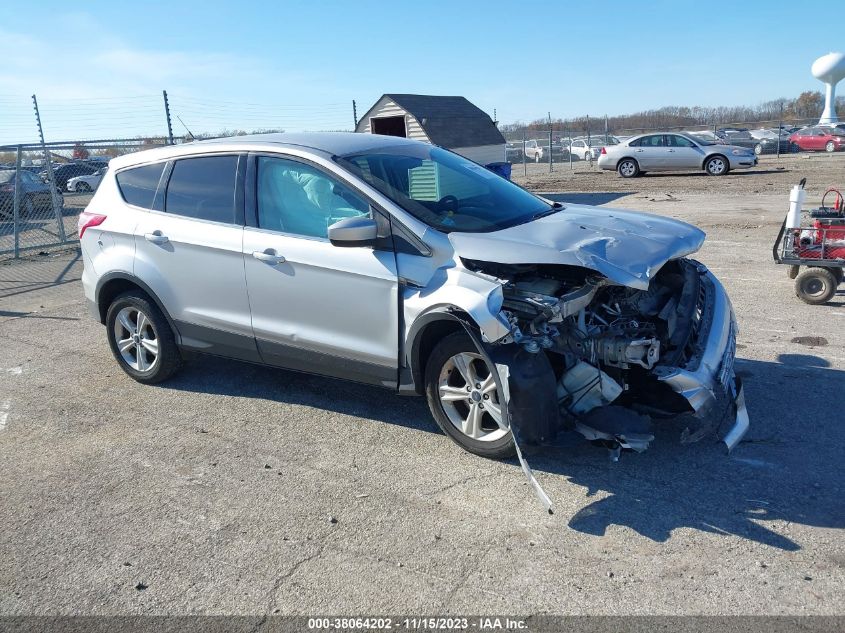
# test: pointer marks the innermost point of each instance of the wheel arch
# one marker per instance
(427, 330)
(113, 284)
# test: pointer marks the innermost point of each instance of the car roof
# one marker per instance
(327, 143)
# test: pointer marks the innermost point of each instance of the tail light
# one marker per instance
(603, 151)
(87, 220)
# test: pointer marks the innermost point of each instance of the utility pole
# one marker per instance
(550, 142)
(167, 114)
(51, 177)
(355, 114)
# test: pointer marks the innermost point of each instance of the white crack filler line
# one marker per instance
(4, 413)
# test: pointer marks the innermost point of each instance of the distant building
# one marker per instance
(450, 122)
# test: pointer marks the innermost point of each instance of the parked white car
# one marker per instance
(590, 149)
(84, 184)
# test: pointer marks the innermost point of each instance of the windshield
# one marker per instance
(701, 140)
(444, 190)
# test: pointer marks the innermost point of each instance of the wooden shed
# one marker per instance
(450, 122)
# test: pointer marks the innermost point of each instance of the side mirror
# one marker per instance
(359, 231)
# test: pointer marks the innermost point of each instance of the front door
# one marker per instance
(682, 153)
(316, 307)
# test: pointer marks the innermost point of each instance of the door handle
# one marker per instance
(156, 237)
(268, 257)
(671, 151)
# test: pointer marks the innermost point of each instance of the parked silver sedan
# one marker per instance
(674, 152)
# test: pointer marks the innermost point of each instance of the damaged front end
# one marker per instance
(607, 360)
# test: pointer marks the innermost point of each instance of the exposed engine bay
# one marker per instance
(620, 357)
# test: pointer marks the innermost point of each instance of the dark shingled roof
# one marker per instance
(450, 121)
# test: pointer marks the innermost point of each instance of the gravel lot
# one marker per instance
(235, 489)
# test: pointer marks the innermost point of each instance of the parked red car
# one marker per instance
(817, 139)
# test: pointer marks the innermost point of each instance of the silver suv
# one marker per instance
(396, 263)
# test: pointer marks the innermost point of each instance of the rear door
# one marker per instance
(317, 307)
(650, 152)
(189, 250)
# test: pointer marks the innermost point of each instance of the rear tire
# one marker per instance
(445, 384)
(794, 148)
(830, 147)
(815, 286)
(141, 339)
(628, 168)
(838, 274)
(792, 271)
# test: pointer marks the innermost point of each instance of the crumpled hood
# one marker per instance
(627, 247)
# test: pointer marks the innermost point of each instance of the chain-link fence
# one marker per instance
(578, 143)
(44, 188)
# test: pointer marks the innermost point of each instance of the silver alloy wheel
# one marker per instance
(136, 339)
(627, 168)
(82, 187)
(758, 149)
(830, 147)
(469, 398)
(716, 166)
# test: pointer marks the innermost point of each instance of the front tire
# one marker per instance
(815, 286)
(141, 339)
(628, 168)
(82, 187)
(463, 398)
(758, 149)
(717, 166)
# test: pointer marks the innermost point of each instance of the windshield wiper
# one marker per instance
(556, 206)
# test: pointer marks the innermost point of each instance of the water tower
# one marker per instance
(829, 69)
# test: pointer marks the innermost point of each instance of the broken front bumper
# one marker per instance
(707, 380)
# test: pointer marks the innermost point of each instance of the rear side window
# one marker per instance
(138, 185)
(203, 188)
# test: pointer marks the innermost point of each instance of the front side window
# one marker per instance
(679, 141)
(296, 198)
(138, 185)
(203, 188)
(444, 190)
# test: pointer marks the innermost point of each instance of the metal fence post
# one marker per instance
(550, 142)
(568, 136)
(54, 193)
(355, 115)
(16, 209)
(780, 128)
(167, 114)
(524, 164)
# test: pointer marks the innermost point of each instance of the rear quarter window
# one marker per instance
(138, 185)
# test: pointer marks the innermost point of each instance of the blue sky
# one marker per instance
(98, 68)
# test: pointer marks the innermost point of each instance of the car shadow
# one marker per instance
(593, 199)
(742, 173)
(232, 378)
(786, 471)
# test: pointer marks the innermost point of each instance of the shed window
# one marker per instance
(389, 126)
